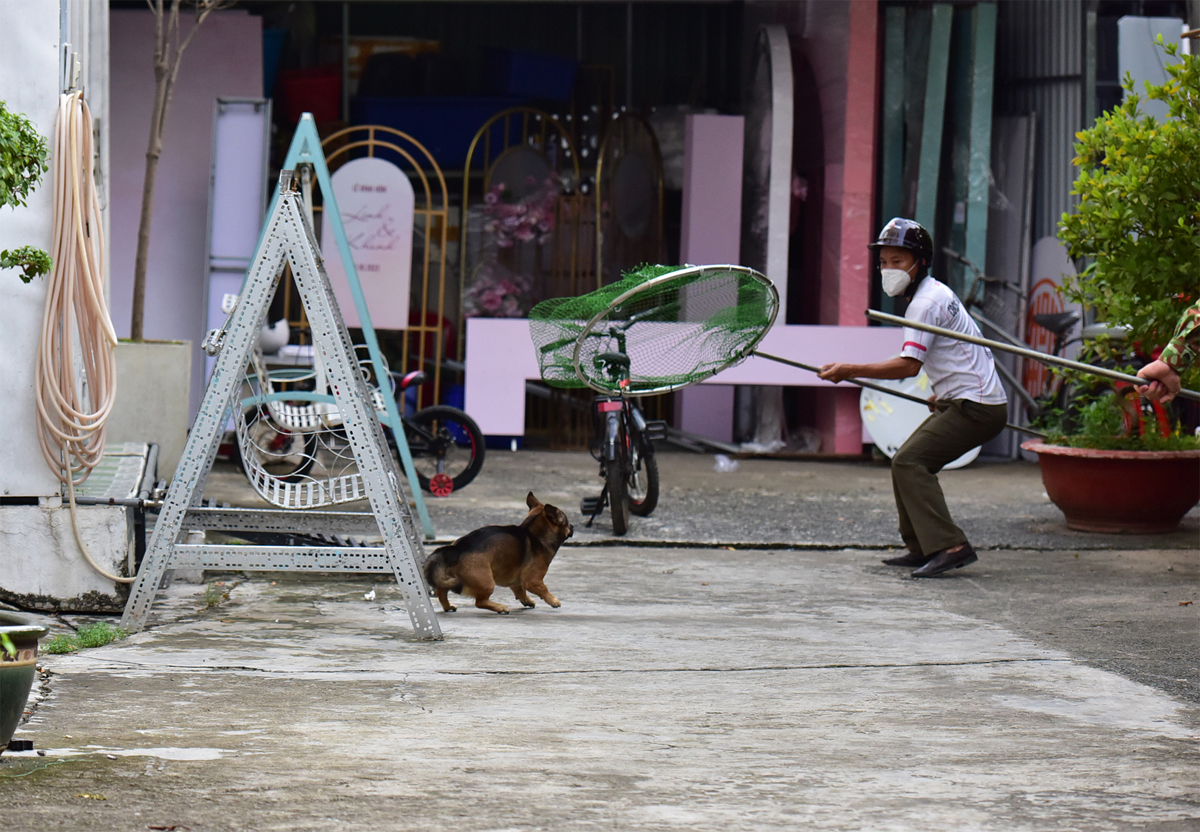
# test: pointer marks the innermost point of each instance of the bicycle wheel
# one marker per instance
(444, 440)
(618, 498)
(643, 484)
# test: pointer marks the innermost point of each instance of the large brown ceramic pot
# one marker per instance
(16, 671)
(1146, 492)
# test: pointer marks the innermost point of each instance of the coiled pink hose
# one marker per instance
(72, 412)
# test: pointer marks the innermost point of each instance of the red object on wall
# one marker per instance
(1044, 299)
(316, 90)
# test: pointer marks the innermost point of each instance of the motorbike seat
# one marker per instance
(413, 379)
(1057, 323)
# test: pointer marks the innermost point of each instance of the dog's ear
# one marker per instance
(556, 515)
(532, 501)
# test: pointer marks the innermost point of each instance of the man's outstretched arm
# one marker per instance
(893, 368)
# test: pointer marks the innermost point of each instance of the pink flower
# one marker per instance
(528, 220)
(491, 301)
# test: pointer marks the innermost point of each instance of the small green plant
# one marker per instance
(1108, 419)
(1137, 225)
(31, 261)
(97, 634)
(61, 643)
(22, 164)
(7, 645)
(215, 594)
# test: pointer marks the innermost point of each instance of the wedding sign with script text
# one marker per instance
(377, 204)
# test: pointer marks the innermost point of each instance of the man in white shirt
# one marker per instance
(969, 403)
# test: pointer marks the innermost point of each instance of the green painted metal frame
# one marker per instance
(891, 167)
(983, 75)
(959, 112)
(933, 115)
(306, 150)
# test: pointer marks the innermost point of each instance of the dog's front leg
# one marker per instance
(539, 589)
(523, 597)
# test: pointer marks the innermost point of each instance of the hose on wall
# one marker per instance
(72, 410)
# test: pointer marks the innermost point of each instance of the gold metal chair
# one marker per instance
(524, 143)
(424, 342)
(629, 198)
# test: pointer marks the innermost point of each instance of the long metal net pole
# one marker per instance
(880, 388)
(1101, 372)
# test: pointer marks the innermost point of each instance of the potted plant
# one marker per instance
(18, 666)
(1137, 225)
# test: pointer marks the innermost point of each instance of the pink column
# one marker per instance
(846, 297)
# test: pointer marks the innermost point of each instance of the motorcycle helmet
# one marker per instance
(910, 235)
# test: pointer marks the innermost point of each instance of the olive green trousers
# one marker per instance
(956, 427)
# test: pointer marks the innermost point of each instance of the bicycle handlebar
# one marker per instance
(613, 327)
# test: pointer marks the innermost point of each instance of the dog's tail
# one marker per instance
(437, 575)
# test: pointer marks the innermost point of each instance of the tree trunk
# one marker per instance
(137, 311)
(166, 68)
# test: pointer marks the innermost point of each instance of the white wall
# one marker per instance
(29, 84)
(39, 561)
(224, 59)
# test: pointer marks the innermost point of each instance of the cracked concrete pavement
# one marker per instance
(742, 662)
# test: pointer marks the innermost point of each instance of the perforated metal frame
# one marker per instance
(287, 238)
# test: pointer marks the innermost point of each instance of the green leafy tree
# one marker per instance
(1138, 219)
(22, 164)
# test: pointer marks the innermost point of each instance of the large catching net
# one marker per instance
(658, 329)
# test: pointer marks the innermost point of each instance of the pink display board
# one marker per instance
(711, 233)
(500, 358)
(377, 205)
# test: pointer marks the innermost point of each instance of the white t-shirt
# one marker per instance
(956, 369)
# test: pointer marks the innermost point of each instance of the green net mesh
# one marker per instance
(667, 334)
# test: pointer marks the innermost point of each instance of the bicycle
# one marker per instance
(692, 322)
(622, 442)
(446, 445)
(1059, 396)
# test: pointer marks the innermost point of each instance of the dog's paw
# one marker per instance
(452, 609)
(555, 603)
(528, 605)
(502, 612)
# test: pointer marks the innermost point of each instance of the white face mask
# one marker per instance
(895, 281)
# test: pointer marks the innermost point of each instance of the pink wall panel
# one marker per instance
(224, 59)
(711, 233)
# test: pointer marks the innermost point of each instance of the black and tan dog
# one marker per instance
(513, 556)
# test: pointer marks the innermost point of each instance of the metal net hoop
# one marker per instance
(658, 329)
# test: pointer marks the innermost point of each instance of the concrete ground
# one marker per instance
(741, 661)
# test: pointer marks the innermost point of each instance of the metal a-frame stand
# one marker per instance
(306, 150)
(287, 237)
